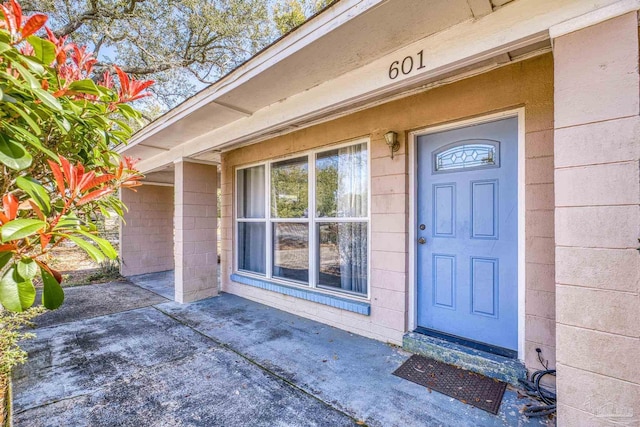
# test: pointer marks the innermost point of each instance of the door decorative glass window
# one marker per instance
(467, 154)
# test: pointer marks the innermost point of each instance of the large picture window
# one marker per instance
(305, 220)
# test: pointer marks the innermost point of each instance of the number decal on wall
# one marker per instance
(393, 70)
(406, 66)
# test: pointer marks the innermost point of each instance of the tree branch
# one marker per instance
(151, 69)
(94, 13)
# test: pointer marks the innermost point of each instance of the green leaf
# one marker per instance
(27, 268)
(5, 47)
(26, 74)
(66, 222)
(63, 125)
(16, 295)
(47, 99)
(34, 66)
(5, 257)
(52, 294)
(14, 154)
(8, 77)
(37, 192)
(20, 228)
(75, 109)
(27, 118)
(7, 98)
(44, 50)
(128, 111)
(125, 126)
(91, 250)
(88, 227)
(85, 86)
(33, 140)
(103, 244)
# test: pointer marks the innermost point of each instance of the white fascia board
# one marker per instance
(522, 23)
(594, 17)
(337, 15)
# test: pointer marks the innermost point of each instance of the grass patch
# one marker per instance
(108, 271)
(12, 331)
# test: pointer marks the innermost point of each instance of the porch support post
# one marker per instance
(195, 222)
(597, 218)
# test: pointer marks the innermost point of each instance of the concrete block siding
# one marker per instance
(174, 228)
(597, 197)
(529, 84)
(196, 254)
(146, 242)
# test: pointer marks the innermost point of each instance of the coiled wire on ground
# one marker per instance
(534, 389)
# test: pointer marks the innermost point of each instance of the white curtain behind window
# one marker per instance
(251, 204)
(352, 199)
(251, 185)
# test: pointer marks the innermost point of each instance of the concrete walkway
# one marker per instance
(117, 354)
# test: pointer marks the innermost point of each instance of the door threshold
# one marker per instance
(492, 365)
(476, 345)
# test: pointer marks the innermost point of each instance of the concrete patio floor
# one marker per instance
(117, 354)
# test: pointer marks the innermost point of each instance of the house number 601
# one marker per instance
(406, 65)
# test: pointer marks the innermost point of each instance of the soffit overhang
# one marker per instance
(339, 62)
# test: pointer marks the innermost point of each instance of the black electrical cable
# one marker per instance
(542, 362)
(533, 389)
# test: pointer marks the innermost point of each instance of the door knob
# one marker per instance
(422, 240)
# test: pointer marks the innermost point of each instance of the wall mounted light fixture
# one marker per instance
(392, 141)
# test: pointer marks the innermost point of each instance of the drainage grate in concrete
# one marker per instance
(466, 386)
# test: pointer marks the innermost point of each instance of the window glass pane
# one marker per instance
(467, 154)
(251, 195)
(343, 256)
(251, 247)
(341, 182)
(290, 189)
(291, 251)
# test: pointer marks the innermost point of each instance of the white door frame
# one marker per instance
(412, 140)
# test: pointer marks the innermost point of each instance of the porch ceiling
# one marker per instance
(338, 62)
(370, 34)
(166, 175)
(366, 37)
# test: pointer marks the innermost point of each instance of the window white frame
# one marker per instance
(312, 221)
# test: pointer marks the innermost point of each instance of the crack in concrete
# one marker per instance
(139, 372)
(55, 325)
(52, 402)
(262, 367)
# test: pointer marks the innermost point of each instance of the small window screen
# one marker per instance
(468, 154)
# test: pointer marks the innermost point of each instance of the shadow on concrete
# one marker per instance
(223, 361)
(83, 302)
(162, 282)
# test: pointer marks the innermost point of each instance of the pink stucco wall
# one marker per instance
(195, 220)
(597, 157)
(146, 237)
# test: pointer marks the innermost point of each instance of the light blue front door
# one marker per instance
(467, 232)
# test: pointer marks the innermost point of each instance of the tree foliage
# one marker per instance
(181, 44)
(57, 130)
(289, 14)
(290, 194)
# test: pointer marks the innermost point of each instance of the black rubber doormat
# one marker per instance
(466, 386)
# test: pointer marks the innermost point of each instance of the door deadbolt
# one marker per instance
(422, 227)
